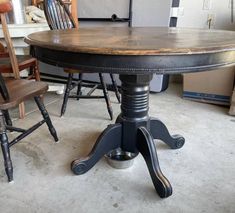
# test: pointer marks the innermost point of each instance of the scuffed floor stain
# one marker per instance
(115, 205)
(37, 157)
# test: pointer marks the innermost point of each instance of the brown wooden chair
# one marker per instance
(22, 61)
(59, 17)
(12, 93)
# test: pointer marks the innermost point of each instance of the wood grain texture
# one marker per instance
(135, 41)
(21, 90)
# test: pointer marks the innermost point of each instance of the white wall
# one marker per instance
(157, 12)
(145, 12)
(195, 16)
(102, 8)
(151, 12)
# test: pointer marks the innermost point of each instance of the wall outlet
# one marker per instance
(207, 4)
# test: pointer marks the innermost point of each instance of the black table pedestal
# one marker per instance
(134, 132)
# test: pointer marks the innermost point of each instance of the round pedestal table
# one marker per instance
(135, 54)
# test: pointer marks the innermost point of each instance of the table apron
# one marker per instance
(134, 64)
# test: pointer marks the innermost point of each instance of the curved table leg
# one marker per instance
(160, 131)
(146, 147)
(109, 139)
(133, 133)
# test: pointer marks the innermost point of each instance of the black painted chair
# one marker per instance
(59, 17)
(12, 93)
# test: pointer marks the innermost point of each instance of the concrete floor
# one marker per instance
(202, 173)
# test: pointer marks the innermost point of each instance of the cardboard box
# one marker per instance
(232, 107)
(210, 87)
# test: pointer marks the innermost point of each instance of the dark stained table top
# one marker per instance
(217, 45)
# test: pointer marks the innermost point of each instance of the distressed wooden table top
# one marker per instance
(135, 41)
(138, 50)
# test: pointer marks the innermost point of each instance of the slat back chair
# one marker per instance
(10, 63)
(13, 92)
(59, 17)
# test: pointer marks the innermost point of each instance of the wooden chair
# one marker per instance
(12, 93)
(8, 61)
(59, 17)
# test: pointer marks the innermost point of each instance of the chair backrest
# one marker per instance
(5, 7)
(58, 15)
(3, 89)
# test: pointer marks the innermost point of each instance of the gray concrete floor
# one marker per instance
(202, 173)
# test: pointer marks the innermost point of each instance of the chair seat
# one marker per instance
(24, 61)
(20, 90)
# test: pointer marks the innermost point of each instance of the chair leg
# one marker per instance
(46, 116)
(22, 110)
(7, 117)
(36, 72)
(66, 94)
(31, 73)
(5, 148)
(106, 96)
(115, 88)
(79, 92)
